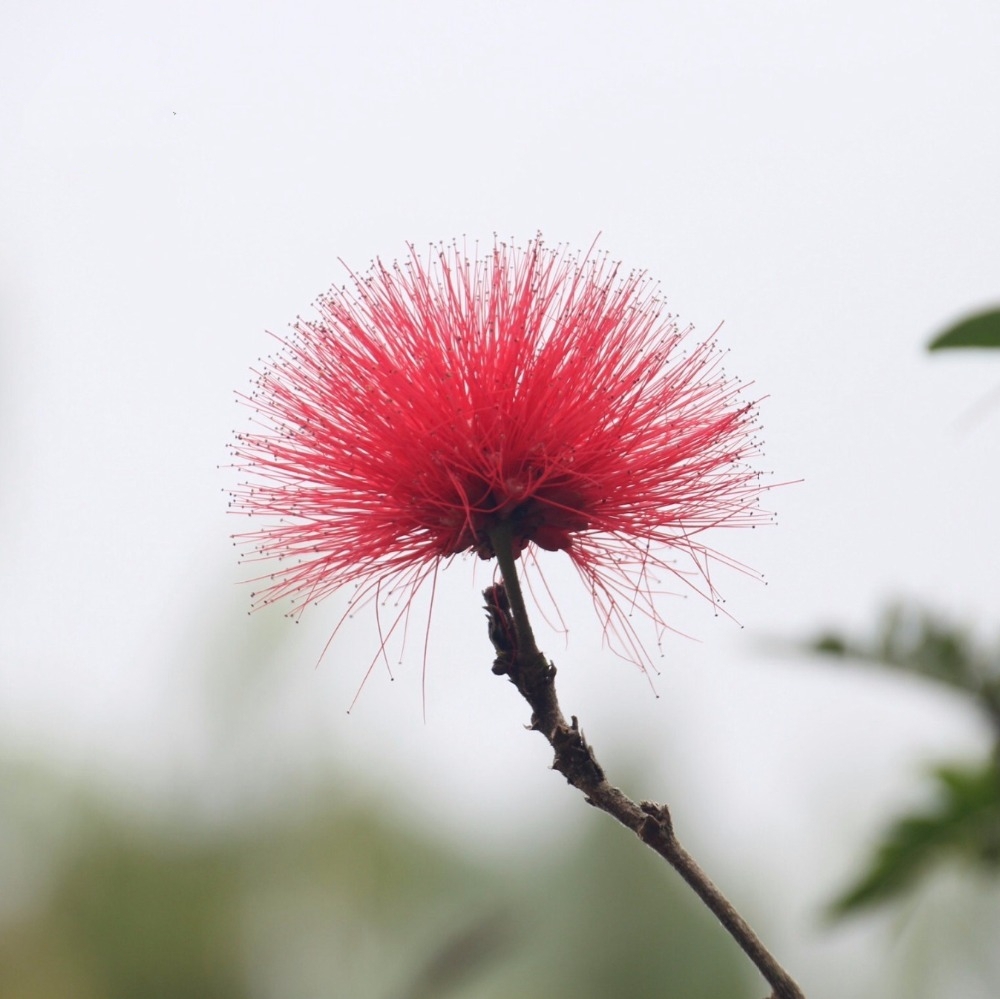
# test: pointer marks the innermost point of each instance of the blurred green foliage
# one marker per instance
(963, 822)
(917, 641)
(332, 899)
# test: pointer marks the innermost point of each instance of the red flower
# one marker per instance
(442, 396)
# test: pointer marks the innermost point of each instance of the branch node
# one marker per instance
(657, 826)
(574, 757)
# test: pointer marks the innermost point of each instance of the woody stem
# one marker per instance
(534, 678)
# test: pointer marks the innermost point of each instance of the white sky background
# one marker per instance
(177, 179)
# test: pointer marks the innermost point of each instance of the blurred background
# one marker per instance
(186, 807)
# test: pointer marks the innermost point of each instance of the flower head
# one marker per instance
(441, 397)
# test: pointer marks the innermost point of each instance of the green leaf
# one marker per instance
(964, 824)
(980, 330)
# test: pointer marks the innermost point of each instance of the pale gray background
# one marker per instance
(178, 178)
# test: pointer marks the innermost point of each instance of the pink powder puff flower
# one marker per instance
(442, 396)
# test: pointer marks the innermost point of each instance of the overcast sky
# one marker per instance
(177, 179)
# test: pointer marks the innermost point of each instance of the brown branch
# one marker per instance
(519, 659)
